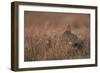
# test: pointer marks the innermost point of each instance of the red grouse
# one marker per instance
(71, 39)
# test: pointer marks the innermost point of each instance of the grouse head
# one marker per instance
(68, 28)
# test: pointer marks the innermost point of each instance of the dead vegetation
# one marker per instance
(45, 41)
(47, 48)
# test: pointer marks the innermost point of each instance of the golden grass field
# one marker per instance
(43, 38)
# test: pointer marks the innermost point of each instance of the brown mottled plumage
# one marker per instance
(71, 38)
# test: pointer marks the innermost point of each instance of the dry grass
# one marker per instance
(44, 47)
(45, 41)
